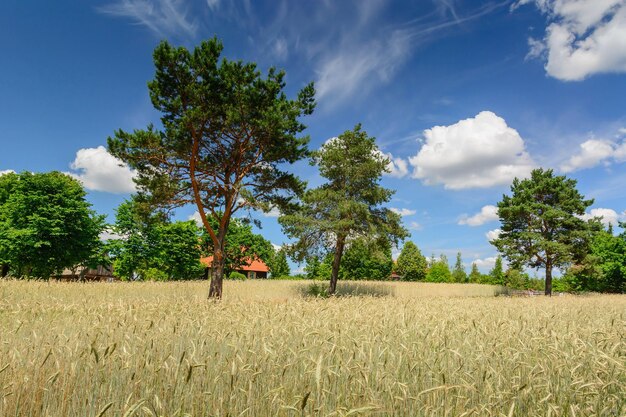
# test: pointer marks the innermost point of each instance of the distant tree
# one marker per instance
(367, 260)
(541, 224)
(227, 135)
(312, 268)
(153, 248)
(514, 278)
(496, 275)
(348, 205)
(475, 275)
(459, 274)
(604, 268)
(439, 271)
(46, 224)
(411, 263)
(279, 265)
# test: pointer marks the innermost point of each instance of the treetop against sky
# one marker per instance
(461, 97)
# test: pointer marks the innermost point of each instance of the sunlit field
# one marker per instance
(162, 349)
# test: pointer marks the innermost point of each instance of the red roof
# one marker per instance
(255, 265)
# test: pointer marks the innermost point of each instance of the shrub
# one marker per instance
(238, 276)
(348, 289)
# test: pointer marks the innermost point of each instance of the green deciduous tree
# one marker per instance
(227, 134)
(439, 270)
(365, 259)
(411, 264)
(540, 223)
(312, 268)
(348, 205)
(46, 224)
(458, 273)
(153, 248)
(604, 268)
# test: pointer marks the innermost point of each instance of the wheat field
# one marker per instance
(162, 349)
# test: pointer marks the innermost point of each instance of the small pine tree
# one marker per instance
(496, 275)
(280, 266)
(475, 275)
(459, 274)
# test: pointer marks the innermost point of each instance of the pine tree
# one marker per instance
(459, 274)
(475, 275)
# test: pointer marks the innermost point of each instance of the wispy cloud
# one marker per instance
(368, 56)
(165, 18)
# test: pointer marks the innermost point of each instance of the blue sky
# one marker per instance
(463, 96)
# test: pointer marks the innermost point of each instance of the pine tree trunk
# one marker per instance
(548, 279)
(217, 275)
(341, 240)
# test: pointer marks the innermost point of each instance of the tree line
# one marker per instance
(228, 135)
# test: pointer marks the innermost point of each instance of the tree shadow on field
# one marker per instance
(346, 289)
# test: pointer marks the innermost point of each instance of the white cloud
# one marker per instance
(477, 152)
(98, 170)
(486, 264)
(607, 216)
(397, 167)
(163, 17)
(196, 218)
(403, 211)
(213, 4)
(493, 234)
(274, 212)
(487, 214)
(354, 66)
(280, 49)
(276, 246)
(7, 171)
(415, 226)
(109, 235)
(593, 152)
(584, 37)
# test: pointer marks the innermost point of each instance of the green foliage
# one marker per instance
(411, 264)
(153, 248)
(46, 224)
(604, 268)
(516, 279)
(458, 273)
(439, 270)
(496, 275)
(475, 275)
(347, 289)
(313, 267)
(240, 245)
(541, 226)
(348, 205)
(154, 274)
(227, 135)
(237, 276)
(279, 266)
(367, 260)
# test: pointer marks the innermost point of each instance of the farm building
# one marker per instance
(253, 268)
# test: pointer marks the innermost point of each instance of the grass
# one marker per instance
(161, 349)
